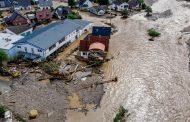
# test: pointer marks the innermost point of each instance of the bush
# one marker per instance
(71, 3)
(144, 6)
(20, 118)
(148, 9)
(74, 15)
(50, 67)
(3, 55)
(2, 110)
(153, 33)
(119, 116)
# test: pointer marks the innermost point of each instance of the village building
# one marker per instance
(98, 42)
(61, 12)
(6, 43)
(119, 5)
(44, 4)
(21, 4)
(84, 4)
(5, 4)
(16, 19)
(98, 10)
(44, 15)
(45, 41)
(134, 4)
(22, 30)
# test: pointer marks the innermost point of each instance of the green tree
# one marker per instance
(71, 3)
(148, 10)
(3, 56)
(103, 2)
(125, 14)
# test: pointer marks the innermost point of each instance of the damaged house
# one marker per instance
(96, 45)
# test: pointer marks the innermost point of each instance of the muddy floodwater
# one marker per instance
(154, 78)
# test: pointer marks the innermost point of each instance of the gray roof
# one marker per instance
(133, 3)
(51, 34)
(19, 29)
(44, 3)
(81, 23)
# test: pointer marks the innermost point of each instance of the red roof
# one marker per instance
(97, 46)
(99, 40)
(44, 14)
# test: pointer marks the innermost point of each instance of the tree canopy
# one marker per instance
(103, 2)
(71, 3)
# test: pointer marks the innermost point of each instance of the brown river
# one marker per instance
(153, 75)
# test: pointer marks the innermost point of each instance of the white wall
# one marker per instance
(120, 7)
(29, 49)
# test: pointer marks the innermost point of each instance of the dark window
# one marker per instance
(18, 46)
(39, 50)
(53, 46)
(25, 48)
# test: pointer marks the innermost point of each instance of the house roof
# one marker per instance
(133, 3)
(101, 31)
(97, 46)
(13, 16)
(51, 34)
(62, 10)
(98, 8)
(7, 40)
(81, 23)
(19, 29)
(6, 2)
(118, 2)
(44, 3)
(23, 3)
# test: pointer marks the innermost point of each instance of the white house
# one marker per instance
(23, 30)
(45, 41)
(119, 5)
(6, 43)
(98, 10)
(84, 4)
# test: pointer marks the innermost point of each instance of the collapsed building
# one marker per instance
(95, 46)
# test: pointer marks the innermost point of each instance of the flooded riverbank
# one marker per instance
(153, 76)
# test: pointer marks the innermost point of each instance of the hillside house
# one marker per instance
(16, 19)
(84, 4)
(22, 4)
(61, 12)
(5, 4)
(45, 41)
(6, 43)
(119, 5)
(134, 4)
(44, 15)
(98, 10)
(22, 30)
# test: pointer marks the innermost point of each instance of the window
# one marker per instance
(39, 50)
(60, 41)
(18, 46)
(53, 46)
(32, 50)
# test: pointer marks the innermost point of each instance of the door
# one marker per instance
(25, 48)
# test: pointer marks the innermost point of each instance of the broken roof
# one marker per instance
(45, 3)
(133, 3)
(13, 16)
(118, 2)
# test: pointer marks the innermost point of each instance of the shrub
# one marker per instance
(144, 6)
(50, 67)
(148, 9)
(71, 3)
(2, 110)
(125, 14)
(3, 55)
(74, 15)
(153, 33)
(119, 116)
(20, 118)
(103, 2)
